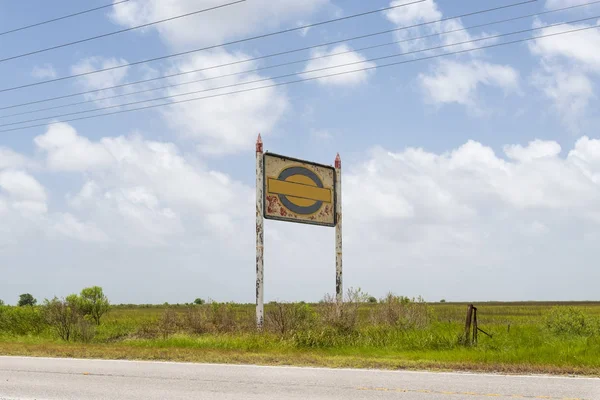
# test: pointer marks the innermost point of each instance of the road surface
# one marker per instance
(66, 379)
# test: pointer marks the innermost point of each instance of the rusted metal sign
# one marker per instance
(299, 191)
(294, 190)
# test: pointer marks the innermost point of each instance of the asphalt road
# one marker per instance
(65, 379)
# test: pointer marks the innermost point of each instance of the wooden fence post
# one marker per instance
(468, 324)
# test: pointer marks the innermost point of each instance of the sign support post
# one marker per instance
(259, 233)
(339, 291)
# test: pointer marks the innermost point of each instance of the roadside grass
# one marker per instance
(524, 338)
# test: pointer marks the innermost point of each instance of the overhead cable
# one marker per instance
(63, 17)
(213, 46)
(307, 79)
(329, 55)
(60, 46)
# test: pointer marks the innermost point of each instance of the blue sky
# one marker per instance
(458, 171)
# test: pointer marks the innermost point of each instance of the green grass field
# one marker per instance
(526, 337)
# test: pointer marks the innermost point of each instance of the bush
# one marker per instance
(286, 318)
(22, 320)
(63, 316)
(199, 301)
(372, 299)
(222, 317)
(402, 312)
(570, 321)
(197, 321)
(342, 317)
(84, 331)
(26, 299)
(168, 323)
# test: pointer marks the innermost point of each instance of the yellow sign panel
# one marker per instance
(299, 191)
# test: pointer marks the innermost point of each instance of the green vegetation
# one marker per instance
(26, 299)
(393, 332)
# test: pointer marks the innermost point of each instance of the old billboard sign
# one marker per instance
(299, 191)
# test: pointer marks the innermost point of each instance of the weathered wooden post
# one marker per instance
(475, 327)
(468, 324)
(259, 234)
(339, 289)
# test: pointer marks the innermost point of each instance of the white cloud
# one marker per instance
(426, 12)
(68, 151)
(304, 31)
(536, 149)
(553, 4)
(215, 26)
(414, 221)
(70, 227)
(12, 159)
(226, 124)
(567, 63)
(330, 59)
(569, 88)
(100, 81)
(20, 185)
(457, 82)
(451, 81)
(45, 71)
(578, 47)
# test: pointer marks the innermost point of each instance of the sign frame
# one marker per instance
(294, 220)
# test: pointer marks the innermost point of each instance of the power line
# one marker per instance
(61, 18)
(117, 32)
(215, 46)
(301, 49)
(267, 67)
(305, 79)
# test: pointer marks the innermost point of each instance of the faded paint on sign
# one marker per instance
(299, 191)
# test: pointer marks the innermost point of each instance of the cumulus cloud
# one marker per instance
(226, 124)
(339, 55)
(426, 12)
(566, 71)
(216, 26)
(455, 81)
(414, 221)
(458, 82)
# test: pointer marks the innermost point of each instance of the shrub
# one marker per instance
(147, 330)
(26, 299)
(222, 317)
(199, 301)
(286, 318)
(168, 323)
(402, 312)
(342, 317)
(570, 321)
(22, 320)
(84, 331)
(372, 299)
(62, 316)
(197, 320)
